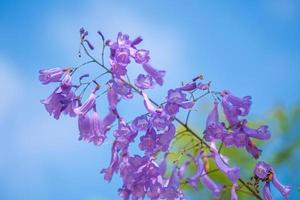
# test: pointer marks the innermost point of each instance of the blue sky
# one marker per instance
(249, 47)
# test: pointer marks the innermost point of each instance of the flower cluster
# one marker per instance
(237, 133)
(146, 175)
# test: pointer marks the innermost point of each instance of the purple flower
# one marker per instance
(148, 141)
(193, 181)
(160, 121)
(176, 96)
(51, 75)
(240, 138)
(203, 86)
(97, 132)
(84, 127)
(140, 123)
(187, 104)
(154, 191)
(136, 41)
(122, 56)
(261, 133)
(94, 129)
(83, 34)
(252, 149)
(87, 106)
(214, 129)
(144, 82)
(171, 191)
(228, 140)
(117, 69)
(114, 164)
(108, 120)
(123, 40)
(124, 193)
(171, 108)
(57, 103)
(71, 105)
(112, 98)
(283, 189)
(165, 138)
(262, 169)
(233, 192)
(122, 51)
(142, 56)
(215, 188)
(124, 135)
(234, 107)
(122, 88)
(66, 84)
(139, 174)
(157, 75)
(149, 106)
(267, 192)
(189, 86)
(233, 173)
(265, 172)
(183, 168)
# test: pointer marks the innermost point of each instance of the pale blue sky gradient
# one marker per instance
(249, 47)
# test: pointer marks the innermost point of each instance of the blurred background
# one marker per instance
(249, 47)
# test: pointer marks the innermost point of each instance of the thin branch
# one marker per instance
(76, 68)
(203, 95)
(187, 117)
(220, 148)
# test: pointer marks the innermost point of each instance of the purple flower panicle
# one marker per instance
(145, 175)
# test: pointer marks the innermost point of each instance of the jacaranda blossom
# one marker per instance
(267, 174)
(148, 171)
(51, 75)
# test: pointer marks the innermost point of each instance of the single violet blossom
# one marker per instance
(283, 189)
(233, 173)
(51, 75)
(144, 82)
(262, 169)
(266, 173)
(122, 88)
(233, 194)
(142, 56)
(171, 191)
(193, 180)
(149, 105)
(57, 103)
(267, 192)
(157, 75)
(87, 106)
(234, 107)
(214, 129)
(215, 188)
(140, 123)
(189, 87)
(148, 141)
